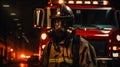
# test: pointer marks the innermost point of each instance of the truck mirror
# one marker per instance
(38, 18)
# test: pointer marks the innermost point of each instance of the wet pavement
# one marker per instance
(25, 64)
(19, 64)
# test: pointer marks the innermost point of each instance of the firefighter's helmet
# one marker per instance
(64, 13)
(64, 16)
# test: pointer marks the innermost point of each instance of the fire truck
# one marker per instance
(95, 20)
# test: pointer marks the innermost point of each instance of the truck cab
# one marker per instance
(94, 20)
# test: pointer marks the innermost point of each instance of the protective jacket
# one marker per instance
(55, 55)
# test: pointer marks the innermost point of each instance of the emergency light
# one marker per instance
(82, 2)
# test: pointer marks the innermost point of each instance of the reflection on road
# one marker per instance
(23, 65)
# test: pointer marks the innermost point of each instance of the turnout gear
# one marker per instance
(70, 56)
(65, 48)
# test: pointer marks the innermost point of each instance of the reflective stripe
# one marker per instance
(59, 60)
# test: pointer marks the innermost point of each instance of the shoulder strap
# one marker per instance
(75, 50)
(48, 51)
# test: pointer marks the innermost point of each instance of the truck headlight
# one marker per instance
(118, 37)
(114, 48)
(43, 46)
(115, 54)
(43, 36)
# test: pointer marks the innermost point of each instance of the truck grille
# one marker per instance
(100, 47)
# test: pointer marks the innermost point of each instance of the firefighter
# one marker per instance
(65, 48)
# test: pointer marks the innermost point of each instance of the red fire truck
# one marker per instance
(95, 20)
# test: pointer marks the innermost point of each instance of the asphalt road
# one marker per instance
(100, 64)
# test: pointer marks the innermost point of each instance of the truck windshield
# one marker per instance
(94, 17)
